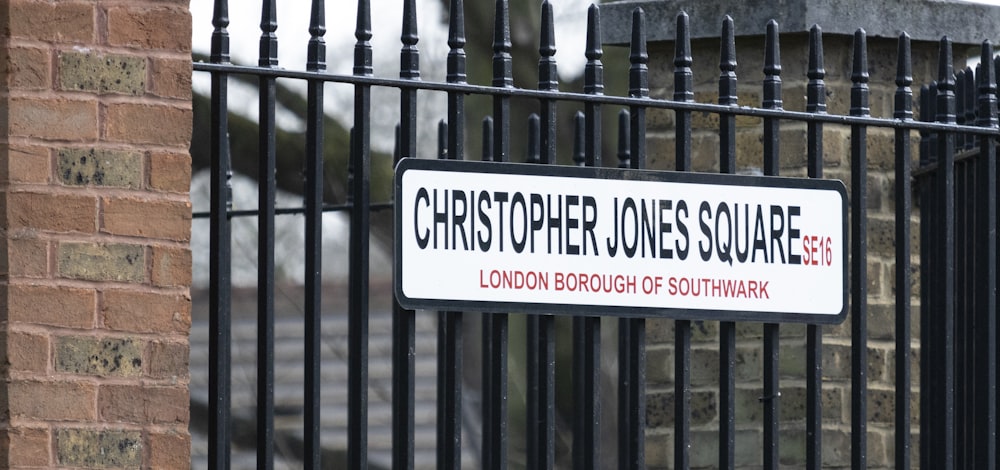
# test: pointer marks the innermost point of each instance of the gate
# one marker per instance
(955, 185)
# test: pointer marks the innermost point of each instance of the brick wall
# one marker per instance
(95, 218)
(836, 342)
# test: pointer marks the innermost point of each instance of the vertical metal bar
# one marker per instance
(927, 432)
(449, 429)
(587, 330)
(961, 364)
(531, 152)
(593, 85)
(971, 206)
(265, 241)
(541, 337)
(541, 356)
(859, 260)
(727, 330)
(449, 426)
(220, 248)
(360, 197)
(449, 363)
(495, 328)
(403, 320)
(684, 92)
(502, 78)
(315, 62)
(944, 372)
(986, 277)
(771, 100)
(974, 230)
(903, 110)
(579, 156)
(970, 105)
(624, 161)
(815, 103)
(489, 427)
(632, 332)
(548, 80)
(992, 75)
(728, 97)
(960, 107)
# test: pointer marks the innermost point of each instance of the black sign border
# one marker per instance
(575, 310)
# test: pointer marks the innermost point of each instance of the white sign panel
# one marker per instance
(551, 239)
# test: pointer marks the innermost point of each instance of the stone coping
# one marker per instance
(923, 20)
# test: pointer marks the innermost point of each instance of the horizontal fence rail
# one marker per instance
(952, 191)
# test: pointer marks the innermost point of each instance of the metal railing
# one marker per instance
(957, 269)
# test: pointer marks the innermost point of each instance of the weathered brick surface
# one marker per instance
(660, 408)
(172, 77)
(102, 73)
(166, 28)
(27, 352)
(139, 404)
(110, 357)
(169, 450)
(99, 167)
(102, 262)
(171, 266)
(27, 257)
(59, 306)
(29, 447)
(52, 212)
(145, 312)
(48, 400)
(34, 118)
(63, 22)
(168, 360)
(170, 172)
(130, 122)
(94, 223)
(26, 163)
(27, 68)
(159, 219)
(103, 448)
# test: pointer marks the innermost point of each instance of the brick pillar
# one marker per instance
(94, 257)
(967, 25)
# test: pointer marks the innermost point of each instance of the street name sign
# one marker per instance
(503, 237)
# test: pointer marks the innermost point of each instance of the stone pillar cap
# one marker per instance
(923, 20)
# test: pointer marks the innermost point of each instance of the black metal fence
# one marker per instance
(957, 209)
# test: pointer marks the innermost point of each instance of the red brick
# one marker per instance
(52, 212)
(52, 21)
(26, 257)
(170, 220)
(171, 77)
(150, 28)
(169, 360)
(28, 352)
(55, 119)
(170, 172)
(130, 122)
(56, 306)
(140, 404)
(145, 312)
(171, 266)
(52, 400)
(27, 164)
(28, 447)
(170, 450)
(27, 68)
